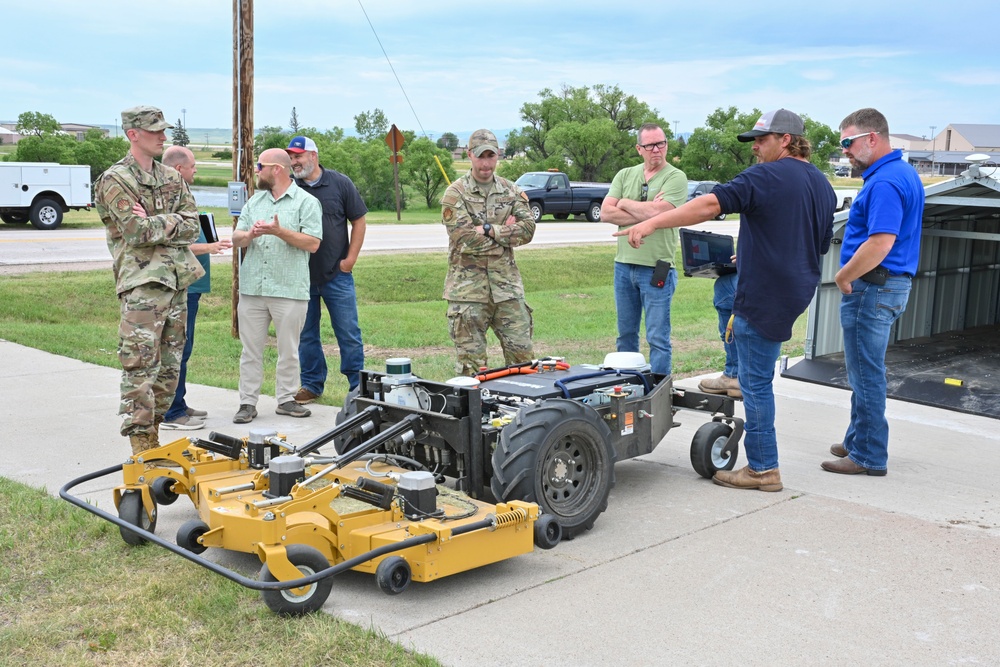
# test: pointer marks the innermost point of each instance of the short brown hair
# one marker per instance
(867, 120)
(647, 127)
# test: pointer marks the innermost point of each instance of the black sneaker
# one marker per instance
(245, 414)
(292, 409)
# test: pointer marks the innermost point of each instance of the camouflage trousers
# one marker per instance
(150, 346)
(468, 321)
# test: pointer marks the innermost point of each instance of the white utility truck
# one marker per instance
(40, 192)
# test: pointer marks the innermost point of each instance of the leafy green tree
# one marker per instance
(293, 122)
(371, 125)
(448, 141)
(713, 153)
(825, 143)
(179, 134)
(270, 136)
(421, 172)
(590, 128)
(367, 164)
(46, 148)
(99, 151)
(37, 124)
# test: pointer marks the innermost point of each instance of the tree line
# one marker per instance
(587, 132)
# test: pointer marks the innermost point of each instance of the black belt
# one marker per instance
(879, 275)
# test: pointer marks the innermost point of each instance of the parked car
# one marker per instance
(842, 171)
(550, 192)
(699, 188)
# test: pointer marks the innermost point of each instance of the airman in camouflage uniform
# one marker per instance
(151, 219)
(486, 217)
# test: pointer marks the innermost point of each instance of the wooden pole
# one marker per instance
(243, 158)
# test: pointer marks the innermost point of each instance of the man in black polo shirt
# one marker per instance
(330, 271)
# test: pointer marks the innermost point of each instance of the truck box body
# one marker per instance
(42, 191)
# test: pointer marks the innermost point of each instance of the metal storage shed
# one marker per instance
(945, 349)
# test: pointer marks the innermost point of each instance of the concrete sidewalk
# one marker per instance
(898, 570)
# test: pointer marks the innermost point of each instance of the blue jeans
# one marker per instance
(342, 304)
(757, 357)
(867, 315)
(179, 407)
(633, 296)
(725, 292)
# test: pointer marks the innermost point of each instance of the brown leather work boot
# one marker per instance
(142, 442)
(745, 478)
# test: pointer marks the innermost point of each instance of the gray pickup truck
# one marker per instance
(551, 193)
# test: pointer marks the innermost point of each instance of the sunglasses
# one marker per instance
(847, 141)
(261, 165)
(644, 192)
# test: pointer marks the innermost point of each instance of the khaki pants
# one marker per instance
(255, 314)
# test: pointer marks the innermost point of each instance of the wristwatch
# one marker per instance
(486, 228)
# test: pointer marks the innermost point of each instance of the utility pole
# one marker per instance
(184, 116)
(675, 129)
(933, 147)
(242, 121)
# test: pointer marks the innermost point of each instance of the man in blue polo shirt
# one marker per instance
(786, 223)
(879, 257)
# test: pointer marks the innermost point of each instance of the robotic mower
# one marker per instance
(309, 517)
(545, 432)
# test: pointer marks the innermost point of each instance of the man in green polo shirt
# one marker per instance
(638, 193)
(279, 227)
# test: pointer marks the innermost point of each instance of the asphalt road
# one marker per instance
(24, 248)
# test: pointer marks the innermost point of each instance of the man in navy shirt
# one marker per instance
(786, 222)
(332, 281)
(879, 257)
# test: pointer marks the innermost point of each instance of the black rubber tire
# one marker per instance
(536, 210)
(14, 218)
(393, 575)
(162, 490)
(561, 216)
(309, 561)
(709, 451)
(46, 214)
(594, 212)
(721, 216)
(130, 510)
(188, 534)
(558, 454)
(342, 443)
(548, 532)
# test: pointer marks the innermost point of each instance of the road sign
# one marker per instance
(394, 139)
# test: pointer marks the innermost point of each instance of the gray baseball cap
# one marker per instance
(482, 141)
(781, 121)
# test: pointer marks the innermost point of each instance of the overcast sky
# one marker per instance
(468, 65)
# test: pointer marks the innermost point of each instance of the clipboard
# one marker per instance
(207, 221)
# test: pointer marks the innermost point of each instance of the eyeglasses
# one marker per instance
(847, 141)
(644, 192)
(656, 144)
(261, 165)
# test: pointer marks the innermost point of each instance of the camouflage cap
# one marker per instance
(482, 141)
(144, 118)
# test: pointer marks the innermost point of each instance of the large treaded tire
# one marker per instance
(557, 454)
(308, 561)
(594, 212)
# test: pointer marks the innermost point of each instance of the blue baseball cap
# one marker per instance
(301, 144)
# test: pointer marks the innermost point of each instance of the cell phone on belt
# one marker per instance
(660, 273)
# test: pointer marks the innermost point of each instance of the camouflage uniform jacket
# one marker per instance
(481, 268)
(154, 249)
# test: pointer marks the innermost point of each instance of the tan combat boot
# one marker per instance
(142, 442)
(745, 478)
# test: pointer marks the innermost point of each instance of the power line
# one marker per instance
(392, 68)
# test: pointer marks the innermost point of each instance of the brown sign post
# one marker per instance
(394, 140)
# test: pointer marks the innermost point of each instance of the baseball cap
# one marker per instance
(781, 121)
(301, 144)
(482, 141)
(144, 118)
